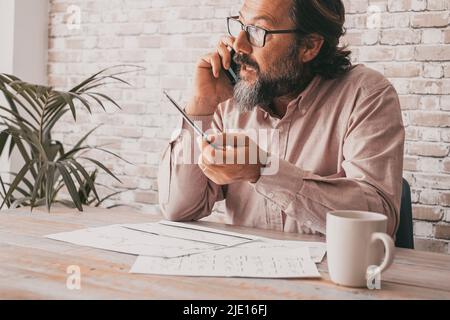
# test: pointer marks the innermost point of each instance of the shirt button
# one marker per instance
(274, 207)
(271, 195)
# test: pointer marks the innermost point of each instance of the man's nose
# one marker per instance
(241, 44)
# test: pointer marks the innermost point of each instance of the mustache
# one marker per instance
(245, 59)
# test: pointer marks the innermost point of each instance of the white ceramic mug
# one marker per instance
(355, 245)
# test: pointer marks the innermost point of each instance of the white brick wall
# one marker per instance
(407, 40)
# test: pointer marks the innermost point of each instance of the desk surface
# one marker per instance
(33, 267)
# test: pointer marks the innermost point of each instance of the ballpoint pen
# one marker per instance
(190, 122)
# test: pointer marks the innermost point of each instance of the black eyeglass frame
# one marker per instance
(245, 28)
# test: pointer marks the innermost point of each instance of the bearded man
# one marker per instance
(339, 133)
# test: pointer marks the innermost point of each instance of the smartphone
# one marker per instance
(233, 72)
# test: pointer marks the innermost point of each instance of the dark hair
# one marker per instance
(326, 18)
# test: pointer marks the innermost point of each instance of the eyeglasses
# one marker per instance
(255, 35)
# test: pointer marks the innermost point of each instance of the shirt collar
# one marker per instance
(301, 100)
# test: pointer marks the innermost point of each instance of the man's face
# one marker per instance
(274, 70)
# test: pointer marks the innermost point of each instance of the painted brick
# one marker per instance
(423, 229)
(443, 231)
(430, 19)
(430, 245)
(427, 213)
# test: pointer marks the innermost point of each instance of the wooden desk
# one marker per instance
(32, 267)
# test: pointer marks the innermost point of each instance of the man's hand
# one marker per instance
(231, 158)
(211, 85)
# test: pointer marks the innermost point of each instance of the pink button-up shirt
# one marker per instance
(339, 147)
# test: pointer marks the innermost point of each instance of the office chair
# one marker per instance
(404, 236)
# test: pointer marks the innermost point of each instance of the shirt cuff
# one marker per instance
(283, 186)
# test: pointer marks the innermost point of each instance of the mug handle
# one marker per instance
(389, 247)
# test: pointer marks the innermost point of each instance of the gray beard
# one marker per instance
(248, 96)
(265, 89)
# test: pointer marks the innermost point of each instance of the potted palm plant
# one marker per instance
(27, 124)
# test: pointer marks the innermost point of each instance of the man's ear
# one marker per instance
(311, 48)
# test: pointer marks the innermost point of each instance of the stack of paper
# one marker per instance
(226, 263)
(171, 248)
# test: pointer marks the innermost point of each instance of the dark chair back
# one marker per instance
(404, 236)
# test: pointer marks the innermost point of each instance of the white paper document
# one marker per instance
(120, 239)
(191, 232)
(317, 249)
(232, 263)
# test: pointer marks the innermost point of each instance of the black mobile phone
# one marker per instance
(233, 72)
